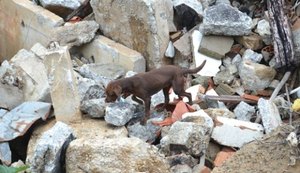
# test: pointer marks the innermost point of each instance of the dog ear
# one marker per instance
(117, 90)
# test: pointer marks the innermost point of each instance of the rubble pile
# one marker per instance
(246, 105)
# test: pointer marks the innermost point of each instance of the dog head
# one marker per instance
(113, 91)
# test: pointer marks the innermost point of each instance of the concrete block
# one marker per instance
(23, 24)
(63, 85)
(216, 46)
(105, 50)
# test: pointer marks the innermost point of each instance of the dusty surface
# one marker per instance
(270, 155)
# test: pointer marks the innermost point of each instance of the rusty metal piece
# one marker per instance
(251, 97)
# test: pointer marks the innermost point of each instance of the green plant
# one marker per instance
(6, 169)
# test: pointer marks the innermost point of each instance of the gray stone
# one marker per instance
(235, 133)
(116, 155)
(140, 25)
(89, 89)
(63, 85)
(252, 41)
(170, 52)
(255, 76)
(237, 60)
(194, 4)
(13, 96)
(94, 108)
(39, 50)
(181, 169)
(222, 19)
(216, 46)
(35, 80)
(250, 55)
(244, 111)
(269, 114)
(224, 76)
(147, 133)
(16, 122)
(119, 113)
(182, 159)
(191, 135)
(72, 4)
(76, 34)
(296, 41)
(49, 149)
(5, 153)
(223, 1)
(264, 30)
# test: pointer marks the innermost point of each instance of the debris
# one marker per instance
(63, 85)
(223, 19)
(179, 168)
(235, 133)
(292, 139)
(16, 122)
(255, 76)
(94, 108)
(89, 89)
(222, 45)
(49, 149)
(119, 113)
(76, 34)
(252, 41)
(296, 105)
(182, 159)
(5, 153)
(270, 114)
(223, 155)
(123, 155)
(170, 52)
(143, 29)
(250, 55)
(82, 11)
(244, 111)
(263, 29)
(60, 7)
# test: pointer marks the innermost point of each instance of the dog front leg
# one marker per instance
(147, 102)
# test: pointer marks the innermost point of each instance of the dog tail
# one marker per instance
(195, 70)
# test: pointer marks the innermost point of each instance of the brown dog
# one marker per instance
(144, 85)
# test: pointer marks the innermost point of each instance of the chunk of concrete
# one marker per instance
(89, 89)
(107, 51)
(94, 108)
(180, 168)
(49, 149)
(252, 41)
(76, 34)
(264, 30)
(16, 122)
(141, 25)
(63, 85)
(14, 96)
(39, 50)
(5, 153)
(223, 19)
(215, 46)
(244, 111)
(114, 155)
(110, 71)
(235, 133)
(269, 114)
(212, 65)
(250, 55)
(36, 86)
(32, 24)
(119, 113)
(190, 135)
(182, 159)
(72, 4)
(256, 76)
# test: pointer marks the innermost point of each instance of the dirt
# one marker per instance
(270, 155)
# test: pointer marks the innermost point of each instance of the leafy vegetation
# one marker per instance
(6, 169)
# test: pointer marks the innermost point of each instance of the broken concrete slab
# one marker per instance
(212, 65)
(95, 108)
(244, 111)
(256, 76)
(16, 122)
(110, 71)
(223, 19)
(140, 25)
(190, 135)
(269, 114)
(76, 34)
(215, 46)
(106, 51)
(235, 133)
(264, 30)
(89, 89)
(30, 21)
(63, 85)
(5, 153)
(36, 86)
(49, 149)
(119, 113)
(140, 156)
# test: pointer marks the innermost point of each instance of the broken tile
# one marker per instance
(63, 85)
(235, 133)
(223, 155)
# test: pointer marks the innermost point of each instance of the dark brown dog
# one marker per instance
(144, 85)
